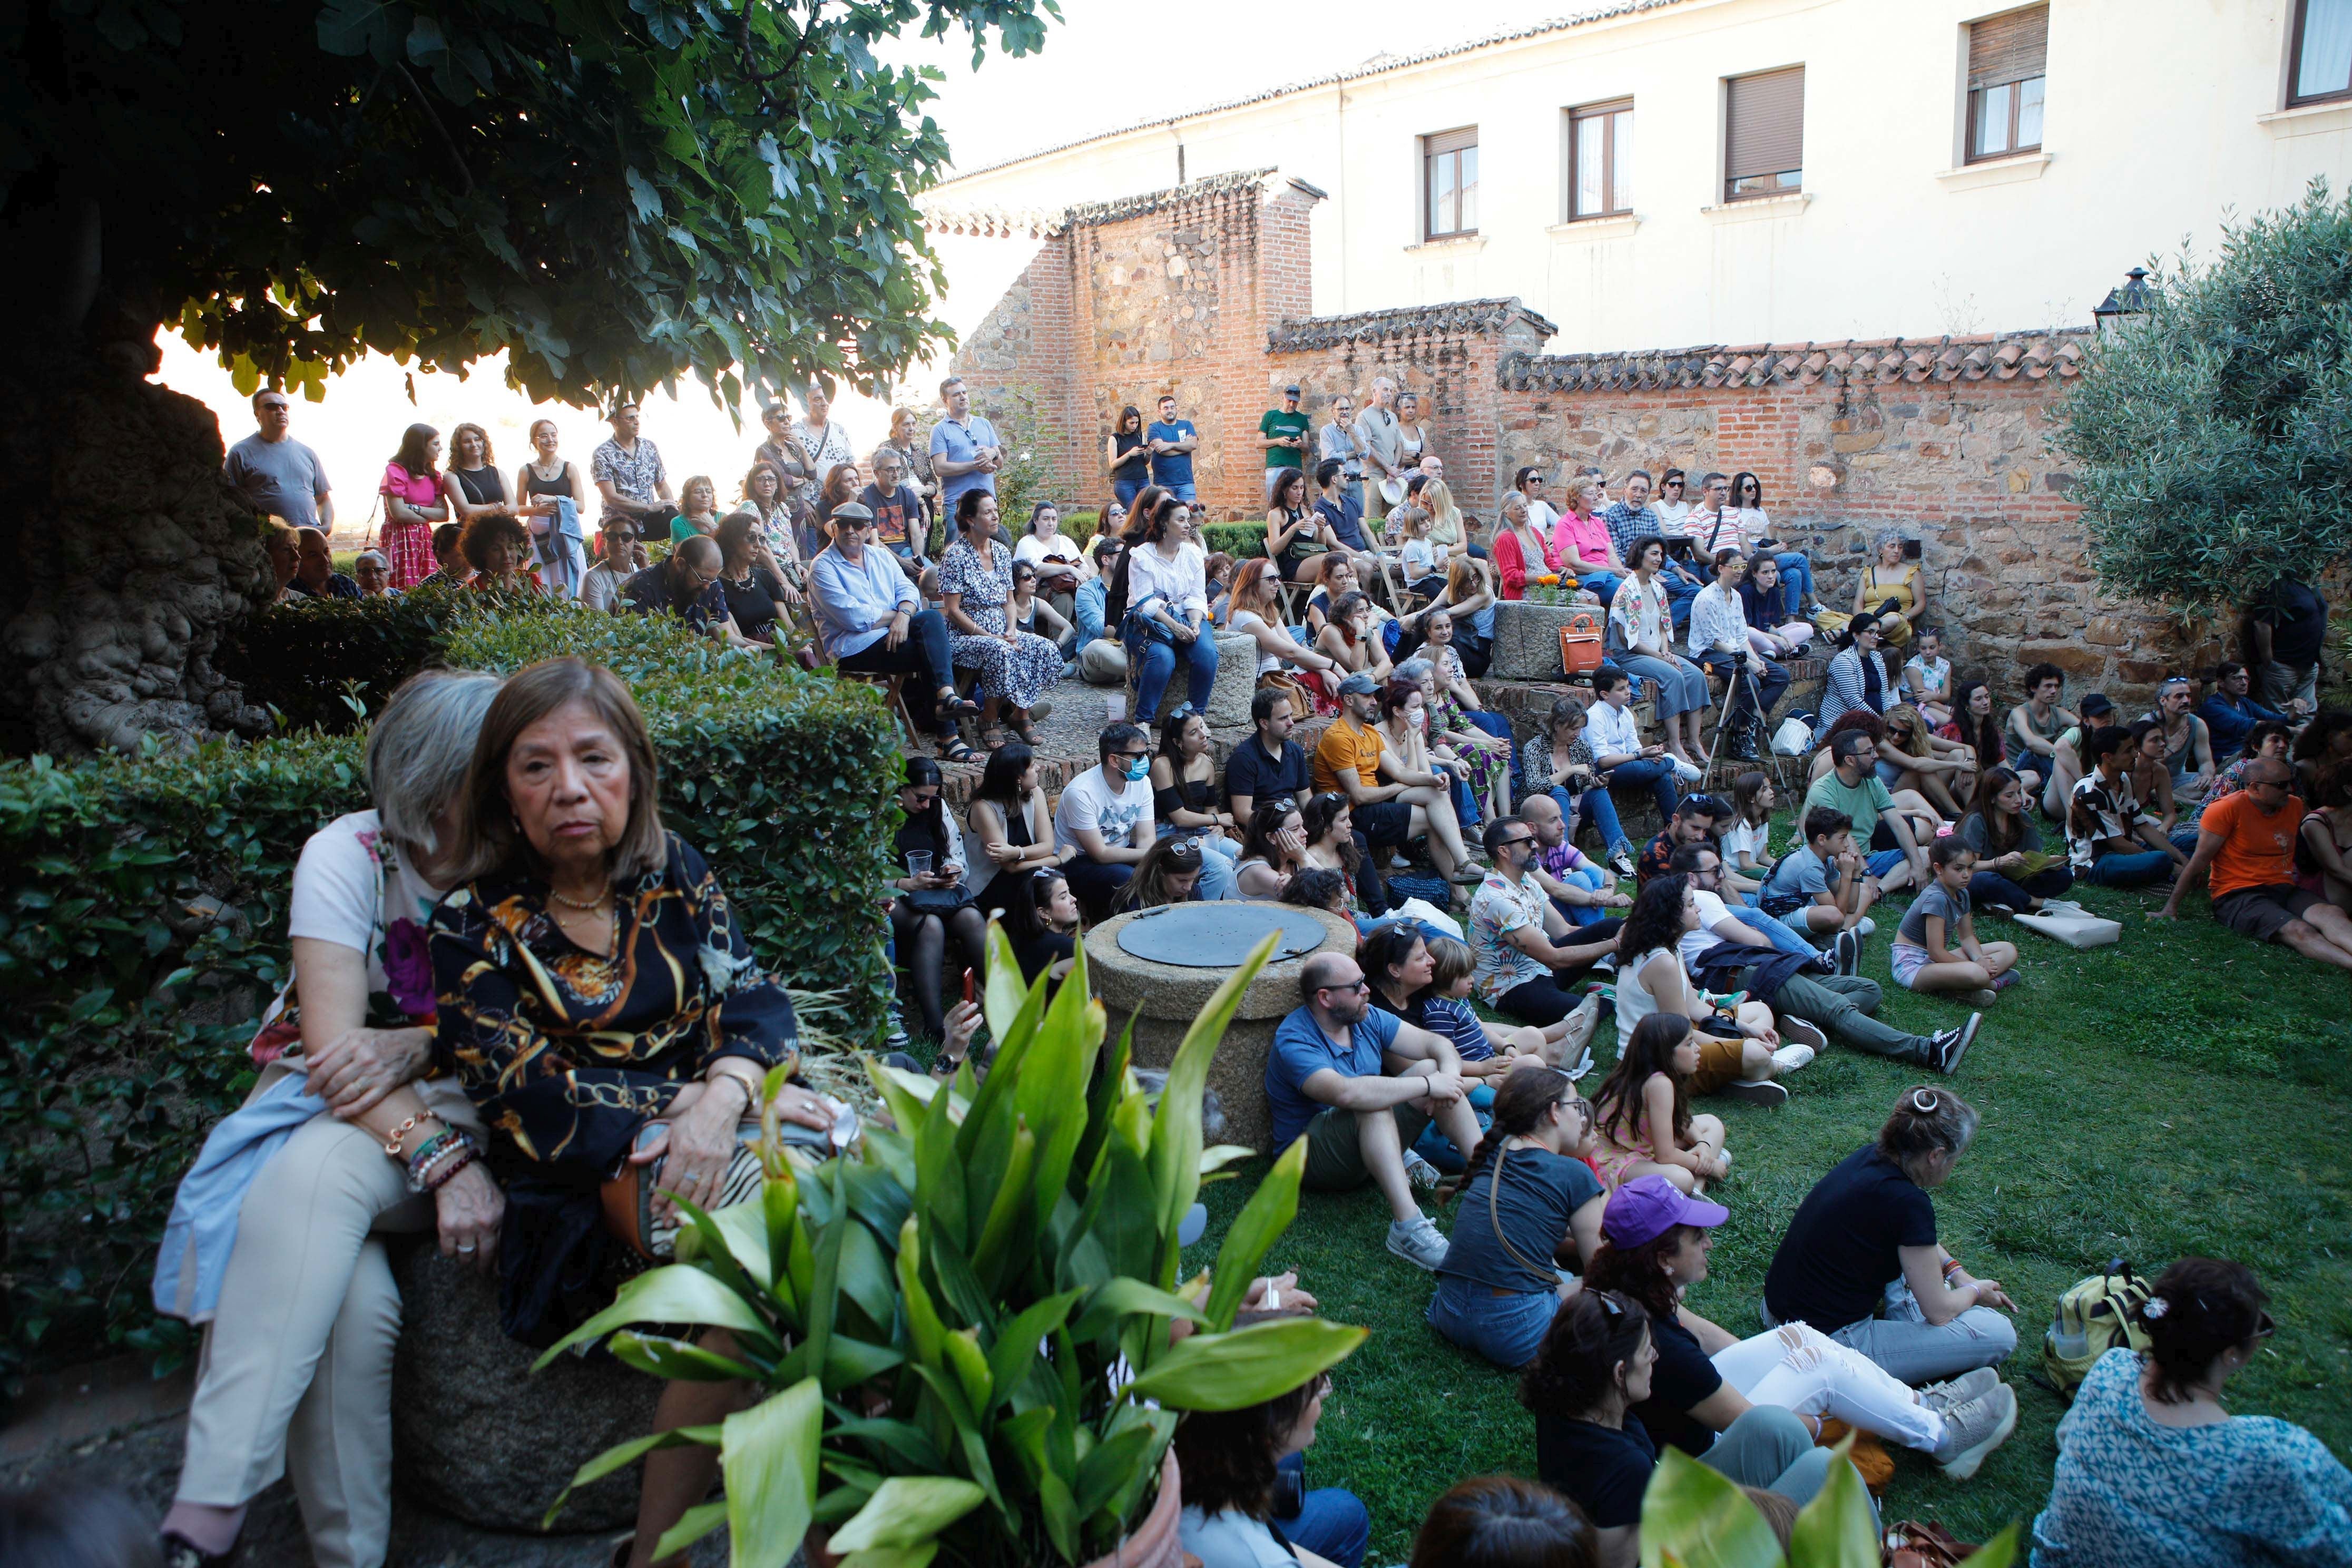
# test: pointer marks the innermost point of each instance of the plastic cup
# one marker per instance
(918, 862)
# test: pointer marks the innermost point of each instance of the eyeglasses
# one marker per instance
(1360, 984)
(1506, 843)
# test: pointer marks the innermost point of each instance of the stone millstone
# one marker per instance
(478, 1436)
(1165, 1000)
(1526, 639)
(1236, 683)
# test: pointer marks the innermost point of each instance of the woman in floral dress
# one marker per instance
(975, 581)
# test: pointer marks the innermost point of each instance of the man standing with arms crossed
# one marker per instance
(1285, 430)
(965, 450)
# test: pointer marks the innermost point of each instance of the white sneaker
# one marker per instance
(1398, 863)
(1975, 1429)
(1951, 1394)
(1864, 926)
(1789, 1057)
(1420, 1172)
(1689, 773)
(1417, 1242)
(1757, 1091)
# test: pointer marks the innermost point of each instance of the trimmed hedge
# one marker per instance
(1239, 540)
(142, 913)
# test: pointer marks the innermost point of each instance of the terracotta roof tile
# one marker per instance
(1461, 318)
(1975, 357)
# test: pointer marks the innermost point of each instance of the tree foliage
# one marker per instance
(614, 192)
(2211, 438)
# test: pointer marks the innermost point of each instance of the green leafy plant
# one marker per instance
(1694, 1517)
(143, 922)
(2212, 437)
(1239, 540)
(962, 1334)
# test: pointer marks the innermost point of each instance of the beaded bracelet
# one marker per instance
(423, 1178)
(392, 1145)
(424, 1153)
(1951, 1267)
(463, 1160)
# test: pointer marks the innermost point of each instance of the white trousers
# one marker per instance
(1798, 1368)
(295, 1377)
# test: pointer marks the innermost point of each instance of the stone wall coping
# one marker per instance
(1983, 356)
(1459, 317)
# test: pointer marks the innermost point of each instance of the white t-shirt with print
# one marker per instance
(1088, 801)
(1739, 838)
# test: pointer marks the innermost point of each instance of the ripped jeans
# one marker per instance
(1799, 1369)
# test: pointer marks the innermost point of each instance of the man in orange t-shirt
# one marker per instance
(2247, 841)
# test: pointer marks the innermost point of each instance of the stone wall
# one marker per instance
(1929, 439)
(1203, 290)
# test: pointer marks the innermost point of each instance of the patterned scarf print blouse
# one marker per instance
(567, 1053)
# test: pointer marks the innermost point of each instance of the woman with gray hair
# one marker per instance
(274, 1240)
(1859, 1262)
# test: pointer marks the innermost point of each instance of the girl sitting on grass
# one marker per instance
(1748, 837)
(1641, 1116)
(1937, 948)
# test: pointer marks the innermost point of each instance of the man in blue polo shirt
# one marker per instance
(1173, 441)
(1328, 1079)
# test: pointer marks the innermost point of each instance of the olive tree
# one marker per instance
(610, 193)
(2212, 437)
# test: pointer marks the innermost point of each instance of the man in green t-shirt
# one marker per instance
(1284, 430)
(1886, 830)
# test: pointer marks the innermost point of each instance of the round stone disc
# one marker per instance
(1218, 935)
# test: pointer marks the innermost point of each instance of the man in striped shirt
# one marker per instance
(1635, 518)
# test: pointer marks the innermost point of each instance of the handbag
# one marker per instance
(2075, 931)
(1917, 1543)
(628, 1194)
(940, 900)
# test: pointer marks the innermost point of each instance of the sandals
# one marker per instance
(955, 705)
(992, 737)
(1028, 733)
(956, 749)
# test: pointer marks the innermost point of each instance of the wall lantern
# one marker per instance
(2131, 299)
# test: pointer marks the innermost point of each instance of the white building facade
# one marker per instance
(1674, 172)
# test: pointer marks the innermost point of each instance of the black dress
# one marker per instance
(752, 602)
(485, 487)
(1137, 470)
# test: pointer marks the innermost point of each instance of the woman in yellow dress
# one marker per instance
(1892, 577)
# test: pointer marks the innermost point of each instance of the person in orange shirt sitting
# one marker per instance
(2247, 841)
(1390, 815)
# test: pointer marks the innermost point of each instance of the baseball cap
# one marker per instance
(1645, 1209)
(1290, 392)
(2096, 702)
(1359, 685)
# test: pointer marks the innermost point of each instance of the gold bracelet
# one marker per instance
(392, 1145)
(750, 1086)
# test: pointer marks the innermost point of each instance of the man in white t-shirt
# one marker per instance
(1106, 814)
(1812, 1008)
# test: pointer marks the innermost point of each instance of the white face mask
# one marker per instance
(1420, 717)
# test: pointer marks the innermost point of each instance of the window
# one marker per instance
(2322, 66)
(1764, 134)
(1450, 184)
(1601, 156)
(2005, 83)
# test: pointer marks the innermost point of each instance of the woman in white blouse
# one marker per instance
(1168, 611)
(1719, 640)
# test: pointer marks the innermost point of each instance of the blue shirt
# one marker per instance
(850, 598)
(962, 444)
(2231, 722)
(1347, 521)
(1301, 1050)
(1171, 468)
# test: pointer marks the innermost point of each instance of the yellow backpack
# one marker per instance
(2093, 1317)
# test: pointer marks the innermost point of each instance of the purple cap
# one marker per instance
(1645, 1209)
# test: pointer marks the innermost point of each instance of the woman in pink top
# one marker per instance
(1580, 539)
(413, 504)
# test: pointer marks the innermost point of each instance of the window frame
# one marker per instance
(2297, 30)
(1430, 155)
(1724, 142)
(1615, 203)
(2014, 149)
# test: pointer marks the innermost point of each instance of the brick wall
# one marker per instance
(1203, 290)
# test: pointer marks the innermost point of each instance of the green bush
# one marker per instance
(1239, 540)
(310, 660)
(142, 915)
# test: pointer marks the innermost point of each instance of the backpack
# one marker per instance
(2093, 1317)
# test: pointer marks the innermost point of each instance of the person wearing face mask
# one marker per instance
(1106, 816)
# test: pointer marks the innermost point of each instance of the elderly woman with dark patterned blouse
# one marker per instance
(600, 1002)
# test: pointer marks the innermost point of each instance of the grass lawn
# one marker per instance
(2184, 1092)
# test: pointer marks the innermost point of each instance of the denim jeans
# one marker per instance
(1505, 1330)
(1604, 583)
(1218, 853)
(1818, 1376)
(1597, 808)
(1587, 876)
(1680, 592)
(1990, 887)
(1127, 490)
(922, 655)
(1796, 582)
(1658, 773)
(1769, 1448)
(1748, 911)
(1903, 1342)
(1095, 883)
(1156, 663)
(2117, 869)
(1331, 1522)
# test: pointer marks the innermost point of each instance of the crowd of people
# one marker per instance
(516, 823)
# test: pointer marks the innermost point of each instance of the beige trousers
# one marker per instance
(295, 1376)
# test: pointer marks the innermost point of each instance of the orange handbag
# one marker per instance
(1579, 643)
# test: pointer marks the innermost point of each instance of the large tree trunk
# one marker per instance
(123, 552)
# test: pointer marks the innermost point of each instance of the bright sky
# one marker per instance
(1094, 72)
